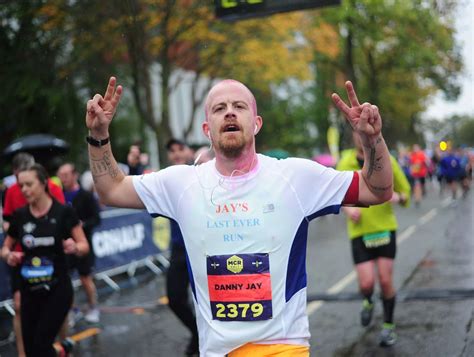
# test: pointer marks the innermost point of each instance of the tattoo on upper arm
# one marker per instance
(103, 166)
(380, 188)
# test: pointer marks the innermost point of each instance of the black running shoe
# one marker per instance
(366, 313)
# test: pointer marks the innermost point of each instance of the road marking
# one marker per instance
(336, 288)
(341, 284)
(313, 306)
(446, 202)
(427, 217)
(139, 311)
(163, 300)
(81, 335)
(406, 234)
(85, 334)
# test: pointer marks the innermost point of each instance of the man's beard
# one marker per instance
(232, 148)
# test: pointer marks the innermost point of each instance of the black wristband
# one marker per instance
(97, 143)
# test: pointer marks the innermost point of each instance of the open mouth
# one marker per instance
(231, 128)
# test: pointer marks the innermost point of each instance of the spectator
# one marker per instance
(179, 153)
(133, 161)
(87, 210)
(177, 280)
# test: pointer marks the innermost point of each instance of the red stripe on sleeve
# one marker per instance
(352, 194)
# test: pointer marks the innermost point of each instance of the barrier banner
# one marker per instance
(123, 236)
(5, 292)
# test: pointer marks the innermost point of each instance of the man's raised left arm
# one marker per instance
(376, 183)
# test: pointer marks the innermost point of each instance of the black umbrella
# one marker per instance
(37, 144)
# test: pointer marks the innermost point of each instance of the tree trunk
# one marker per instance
(349, 53)
(164, 133)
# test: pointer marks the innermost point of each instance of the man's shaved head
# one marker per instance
(230, 82)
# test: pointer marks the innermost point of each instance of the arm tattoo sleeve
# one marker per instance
(103, 166)
(374, 163)
(380, 188)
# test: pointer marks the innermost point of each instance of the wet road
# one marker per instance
(434, 257)
(434, 276)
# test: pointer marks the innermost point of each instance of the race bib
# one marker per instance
(375, 240)
(240, 287)
(37, 270)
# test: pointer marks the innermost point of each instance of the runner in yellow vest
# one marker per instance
(372, 232)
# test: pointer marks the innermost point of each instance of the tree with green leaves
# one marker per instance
(39, 94)
(397, 54)
(168, 42)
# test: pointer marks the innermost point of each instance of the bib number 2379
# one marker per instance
(240, 287)
(240, 310)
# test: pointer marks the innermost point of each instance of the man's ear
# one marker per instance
(258, 124)
(206, 130)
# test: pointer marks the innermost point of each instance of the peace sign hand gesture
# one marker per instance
(100, 110)
(364, 118)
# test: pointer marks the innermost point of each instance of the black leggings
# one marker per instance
(177, 284)
(42, 314)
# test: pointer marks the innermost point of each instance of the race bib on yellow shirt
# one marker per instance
(375, 240)
(240, 287)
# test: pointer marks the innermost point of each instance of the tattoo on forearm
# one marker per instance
(371, 163)
(374, 163)
(380, 188)
(103, 166)
(374, 144)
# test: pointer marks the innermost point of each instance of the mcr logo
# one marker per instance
(235, 264)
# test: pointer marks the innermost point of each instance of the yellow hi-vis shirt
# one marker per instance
(376, 218)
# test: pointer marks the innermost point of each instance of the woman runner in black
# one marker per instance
(44, 229)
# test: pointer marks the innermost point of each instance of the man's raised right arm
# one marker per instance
(114, 188)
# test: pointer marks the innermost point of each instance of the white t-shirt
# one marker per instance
(245, 238)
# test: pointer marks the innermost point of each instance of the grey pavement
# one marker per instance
(437, 256)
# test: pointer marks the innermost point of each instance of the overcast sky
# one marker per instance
(465, 35)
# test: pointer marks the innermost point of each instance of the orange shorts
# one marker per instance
(256, 350)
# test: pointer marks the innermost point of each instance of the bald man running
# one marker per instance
(244, 216)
